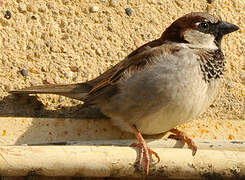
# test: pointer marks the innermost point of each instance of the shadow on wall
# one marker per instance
(30, 106)
(66, 124)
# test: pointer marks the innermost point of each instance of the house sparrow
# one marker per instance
(162, 84)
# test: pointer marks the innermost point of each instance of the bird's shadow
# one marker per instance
(30, 106)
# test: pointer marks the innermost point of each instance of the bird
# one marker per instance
(162, 84)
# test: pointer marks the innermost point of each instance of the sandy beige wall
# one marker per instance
(72, 41)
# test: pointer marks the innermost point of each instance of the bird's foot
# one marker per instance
(145, 151)
(179, 135)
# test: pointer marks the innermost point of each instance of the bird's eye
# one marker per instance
(203, 25)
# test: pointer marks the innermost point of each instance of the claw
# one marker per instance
(178, 135)
(155, 154)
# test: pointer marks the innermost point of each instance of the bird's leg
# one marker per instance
(179, 135)
(145, 151)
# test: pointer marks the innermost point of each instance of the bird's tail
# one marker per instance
(74, 91)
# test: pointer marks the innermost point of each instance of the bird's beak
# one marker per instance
(226, 28)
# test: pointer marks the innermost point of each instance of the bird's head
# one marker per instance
(198, 29)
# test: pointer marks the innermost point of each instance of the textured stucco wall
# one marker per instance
(70, 41)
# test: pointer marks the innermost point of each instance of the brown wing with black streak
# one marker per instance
(107, 83)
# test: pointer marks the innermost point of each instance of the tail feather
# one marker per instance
(75, 91)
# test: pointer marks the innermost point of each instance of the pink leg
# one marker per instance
(145, 151)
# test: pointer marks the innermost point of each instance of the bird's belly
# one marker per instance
(166, 118)
(180, 109)
(162, 117)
